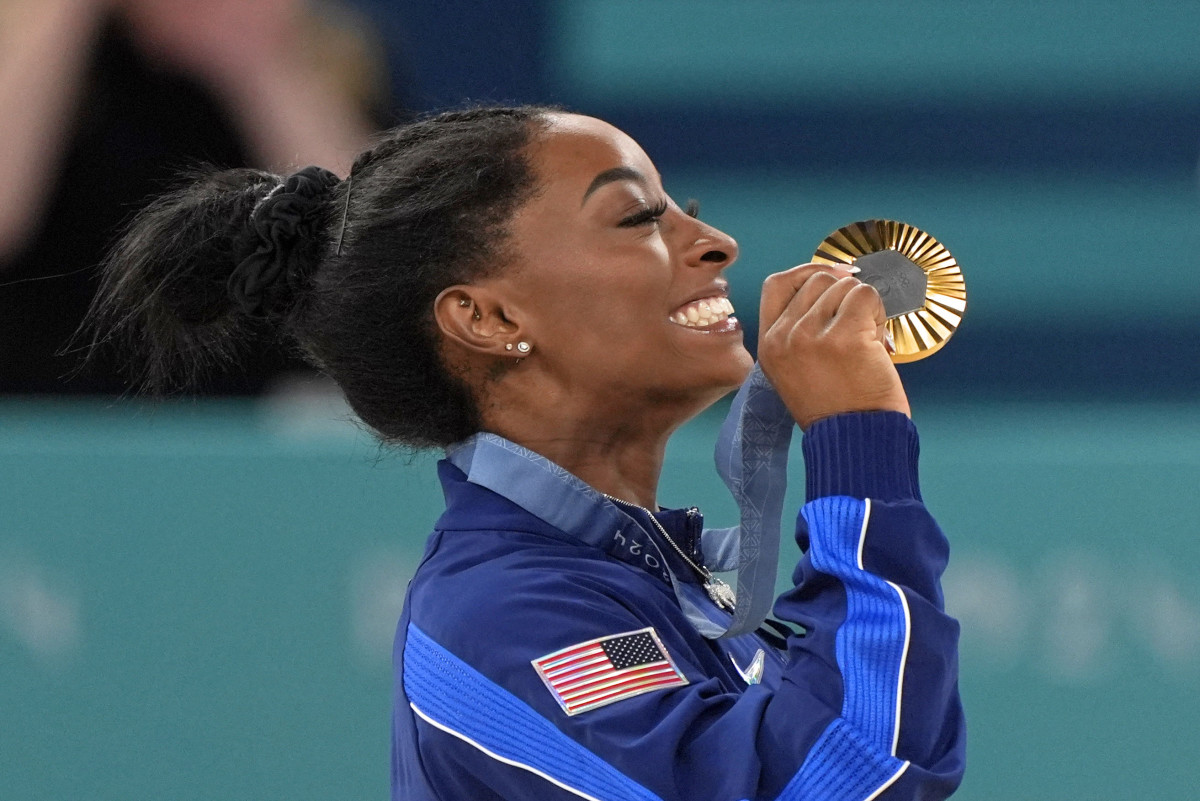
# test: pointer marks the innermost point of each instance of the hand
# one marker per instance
(821, 343)
(217, 40)
(20, 18)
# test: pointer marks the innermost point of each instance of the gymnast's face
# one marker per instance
(623, 293)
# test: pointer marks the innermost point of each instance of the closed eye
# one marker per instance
(644, 216)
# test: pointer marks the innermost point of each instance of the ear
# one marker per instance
(476, 318)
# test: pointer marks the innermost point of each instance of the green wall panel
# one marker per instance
(869, 50)
(197, 601)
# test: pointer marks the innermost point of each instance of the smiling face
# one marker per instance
(620, 291)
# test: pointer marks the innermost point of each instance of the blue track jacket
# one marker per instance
(858, 701)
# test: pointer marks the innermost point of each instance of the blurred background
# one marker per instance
(197, 598)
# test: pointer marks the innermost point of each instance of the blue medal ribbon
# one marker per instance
(751, 457)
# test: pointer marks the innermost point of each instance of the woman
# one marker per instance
(515, 285)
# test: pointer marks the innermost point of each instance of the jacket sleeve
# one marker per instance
(867, 706)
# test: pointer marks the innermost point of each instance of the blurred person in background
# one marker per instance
(102, 102)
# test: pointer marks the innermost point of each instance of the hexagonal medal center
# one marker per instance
(901, 283)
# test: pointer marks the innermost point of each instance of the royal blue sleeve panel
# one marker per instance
(866, 706)
(896, 649)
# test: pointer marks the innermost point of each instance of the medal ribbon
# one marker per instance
(751, 457)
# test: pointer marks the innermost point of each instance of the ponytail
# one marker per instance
(347, 278)
(285, 230)
(206, 270)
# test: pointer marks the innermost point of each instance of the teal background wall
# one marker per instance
(197, 599)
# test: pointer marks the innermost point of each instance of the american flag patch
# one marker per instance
(599, 672)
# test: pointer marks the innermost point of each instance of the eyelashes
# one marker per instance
(651, 214)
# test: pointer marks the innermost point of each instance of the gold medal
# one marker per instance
(922, 287)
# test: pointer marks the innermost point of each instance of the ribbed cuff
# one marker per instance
(862, 455)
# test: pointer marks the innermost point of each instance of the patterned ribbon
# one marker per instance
(751, 457)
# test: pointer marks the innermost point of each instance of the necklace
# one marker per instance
(721, 593)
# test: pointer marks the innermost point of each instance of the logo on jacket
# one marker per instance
(752, 674)
(603, 671)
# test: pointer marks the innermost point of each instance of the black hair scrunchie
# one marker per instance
(281, 223)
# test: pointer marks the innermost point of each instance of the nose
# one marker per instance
(712, 247)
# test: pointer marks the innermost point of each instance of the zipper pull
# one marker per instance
(694, 528)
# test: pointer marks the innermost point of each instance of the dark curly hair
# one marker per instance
(346, 270)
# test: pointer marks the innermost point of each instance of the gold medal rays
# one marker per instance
(922, 287)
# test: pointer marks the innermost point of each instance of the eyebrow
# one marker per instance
(611, 175)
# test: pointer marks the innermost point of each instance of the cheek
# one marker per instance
(607, 293)
(615, 311)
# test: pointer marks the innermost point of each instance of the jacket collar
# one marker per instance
(751, 457)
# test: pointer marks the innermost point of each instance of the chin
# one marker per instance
(740, 364)
(698, 380)
(730, 377)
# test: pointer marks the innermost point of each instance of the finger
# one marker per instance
(860, 310)
(824, 308)
(864, 304)
(816, 286)
(884, 334)
(779, 289)
(800, 307)
(802, 301)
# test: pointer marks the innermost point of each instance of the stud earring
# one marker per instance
(524, 347)
(508, 346)
(464, 303)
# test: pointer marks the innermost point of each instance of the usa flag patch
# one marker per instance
(608, 669)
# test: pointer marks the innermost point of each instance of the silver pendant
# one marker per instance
(721, 593)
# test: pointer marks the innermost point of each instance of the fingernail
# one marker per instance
(889, 342)
(850, 268)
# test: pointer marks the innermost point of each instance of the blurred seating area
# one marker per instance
(1053, 151)
(104, 103)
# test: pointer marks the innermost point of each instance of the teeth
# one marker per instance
(703, 313)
